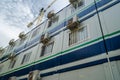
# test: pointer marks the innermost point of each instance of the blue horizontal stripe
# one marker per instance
(35, 39)
(57, 28)
(89, 64)
(89, 51)
(75, 67)
(116, 2)
(83, 53)
(19, 48)
(103, 2)
(29, 44)
(116, 58)
(87, 11)
(113, 44)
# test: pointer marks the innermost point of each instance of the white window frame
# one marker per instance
(35, 32)
(83, 1)
(26, 58)
(73, 9)
(21, 41)
(12, 64)
(10, 48)
(79, 41)
(52, 21)
(44, 48)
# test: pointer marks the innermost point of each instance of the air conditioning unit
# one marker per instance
(34, 75)
(50, 14)
(12, 78)
(22, 35)
(45, 38)
(73, 23)
(72, 1)
(12, 42)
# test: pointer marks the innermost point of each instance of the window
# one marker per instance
(47, 48)
(78, 35)
(12, 64)
(52, 20)
(79, 4)
(26, 58)
(21, 41)
(35, 32)
(10, 48)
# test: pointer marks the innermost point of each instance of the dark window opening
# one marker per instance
(12, 64)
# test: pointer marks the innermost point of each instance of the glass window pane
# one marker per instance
(78, 35)
(12, 64)
(47, 49)
(26, 58)
(35, 32)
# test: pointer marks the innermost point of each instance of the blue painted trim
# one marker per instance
(89, 64)
(35, 39)
(114, 41)
(103, 2)
(30, 44)
(57, 28)
(116, 2)
(80, 54)
(19, 48)
(75, 67)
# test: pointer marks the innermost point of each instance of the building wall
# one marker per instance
(95, 58)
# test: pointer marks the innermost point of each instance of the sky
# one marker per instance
(16, 14)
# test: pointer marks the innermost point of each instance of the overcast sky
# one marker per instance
(16, 14)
